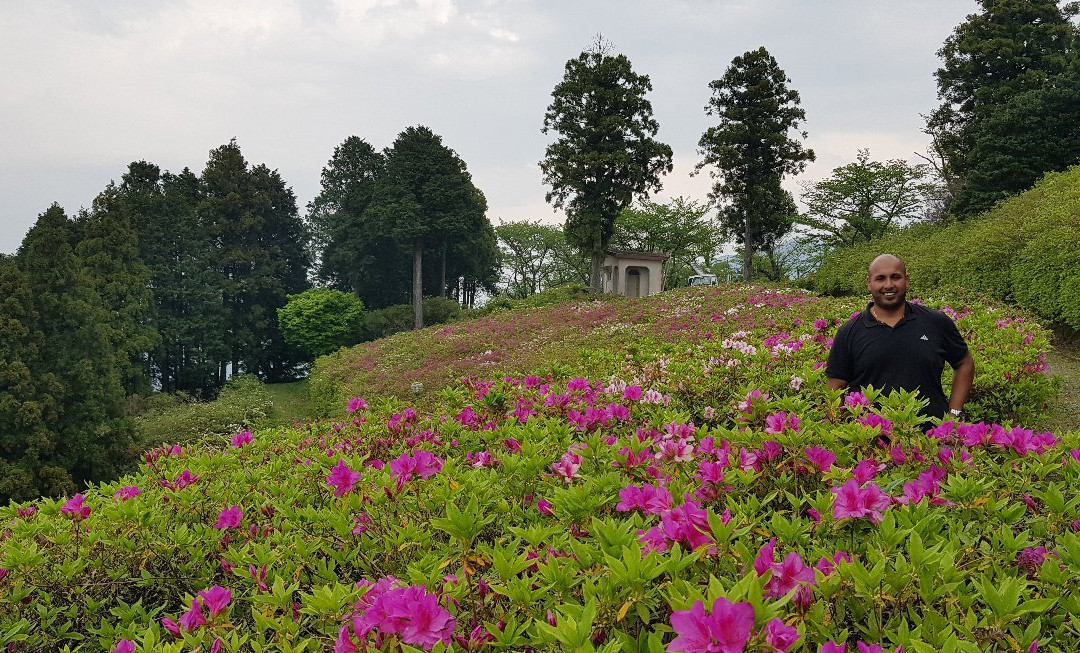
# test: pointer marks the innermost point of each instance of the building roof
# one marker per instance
(644, 256)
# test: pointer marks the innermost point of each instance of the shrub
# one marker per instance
(384, 322)
(1023, 250)
(320, 320)
(244, 403)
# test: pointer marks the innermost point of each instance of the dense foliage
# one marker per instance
(605, 154)
(705, 463)
(755, 143)
(320, 320)
(1027, 250)
(1010, 100)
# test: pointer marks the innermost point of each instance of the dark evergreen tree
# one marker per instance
(605, 155)
(109, 250)
(425, 197)
(259, 245)
(752, 149)
(93, 437)
(1009, 112)
(30, 399)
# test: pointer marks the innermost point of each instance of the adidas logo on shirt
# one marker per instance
(924, 337)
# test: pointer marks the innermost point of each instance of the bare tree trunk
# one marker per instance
(596, 273)
(748, 250)
(418, 283)
(442, 273)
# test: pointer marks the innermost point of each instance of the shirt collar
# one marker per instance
(870, 321)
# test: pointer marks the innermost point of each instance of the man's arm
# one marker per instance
(963, 376)
(836, 384)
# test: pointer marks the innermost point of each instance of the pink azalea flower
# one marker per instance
(853, 501)
(344, 643)
(788, 575)
(867, 470)
(75, 508)
(193, 618)
(544, 507)
(342, 478)
(632, 393)
(823, 459)
(184, 479)
(780, 636)
(567, 466)
(127, 492)
(241, 438)
(171, 626)
(766, 557)
(854, 401)
(832, 647)
(215, 599)
(124, 646)
(427, 464)
(355, 404)
(229, 518)
(725, 630)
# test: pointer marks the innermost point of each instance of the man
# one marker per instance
(896, 345)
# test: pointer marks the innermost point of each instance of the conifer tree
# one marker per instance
(751, 149)
(605, 155)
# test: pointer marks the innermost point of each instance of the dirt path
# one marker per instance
(1064, 361)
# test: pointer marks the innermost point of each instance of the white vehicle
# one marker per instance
(702, 280)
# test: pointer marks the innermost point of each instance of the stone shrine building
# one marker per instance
(634, 274)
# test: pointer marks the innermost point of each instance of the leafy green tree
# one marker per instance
(30, 399)
(605, 155)
(350, 254)
(681, 228)
(866, 199)
(109, 249)
(93, 438)
(1008, 91)
(528, 251)
(260, 250)
(321, 320)
(424, 196)
(751, 149)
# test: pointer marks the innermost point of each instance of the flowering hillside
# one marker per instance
(691, 488)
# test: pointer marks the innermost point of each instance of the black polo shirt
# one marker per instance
(909, 356)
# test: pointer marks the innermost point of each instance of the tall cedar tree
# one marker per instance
(1010, 101)
(108, 247)
(351, 256)
(751, 150)
(93, 438)
(186, 295)
(424, 196)
(30, 399)
(605, 155)
(260, 250)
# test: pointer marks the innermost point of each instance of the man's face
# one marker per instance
(887, 283)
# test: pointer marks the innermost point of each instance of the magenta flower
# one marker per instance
(75, 508)
(171, 626)
(342, 478)
(788, 575)
(766, 557)
(632, 393)
(725, 630)
(127, 492)
(427, 464)
(832, 647)
(184, 479)
(823, 459)
(853, 501)
(854, 401)
(355, 404)
(867, 470)
(651, 499)
(426, 622)
(544, 507)
(193, 618)
(780, 636)
(567, 466)
(241, 438)
(25, 513)
(124, 646)
(229, 518)
(344, 643)
(215, 599)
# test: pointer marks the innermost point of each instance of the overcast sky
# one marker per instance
(88, 87)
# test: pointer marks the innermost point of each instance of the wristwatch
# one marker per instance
(956, 413)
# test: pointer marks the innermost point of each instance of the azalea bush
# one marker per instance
(700, 490)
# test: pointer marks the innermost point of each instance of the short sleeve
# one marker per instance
(955, 347)
(839, 364)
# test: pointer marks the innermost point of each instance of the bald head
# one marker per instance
(886, 260)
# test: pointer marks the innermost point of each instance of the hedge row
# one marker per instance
(1026, 250)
